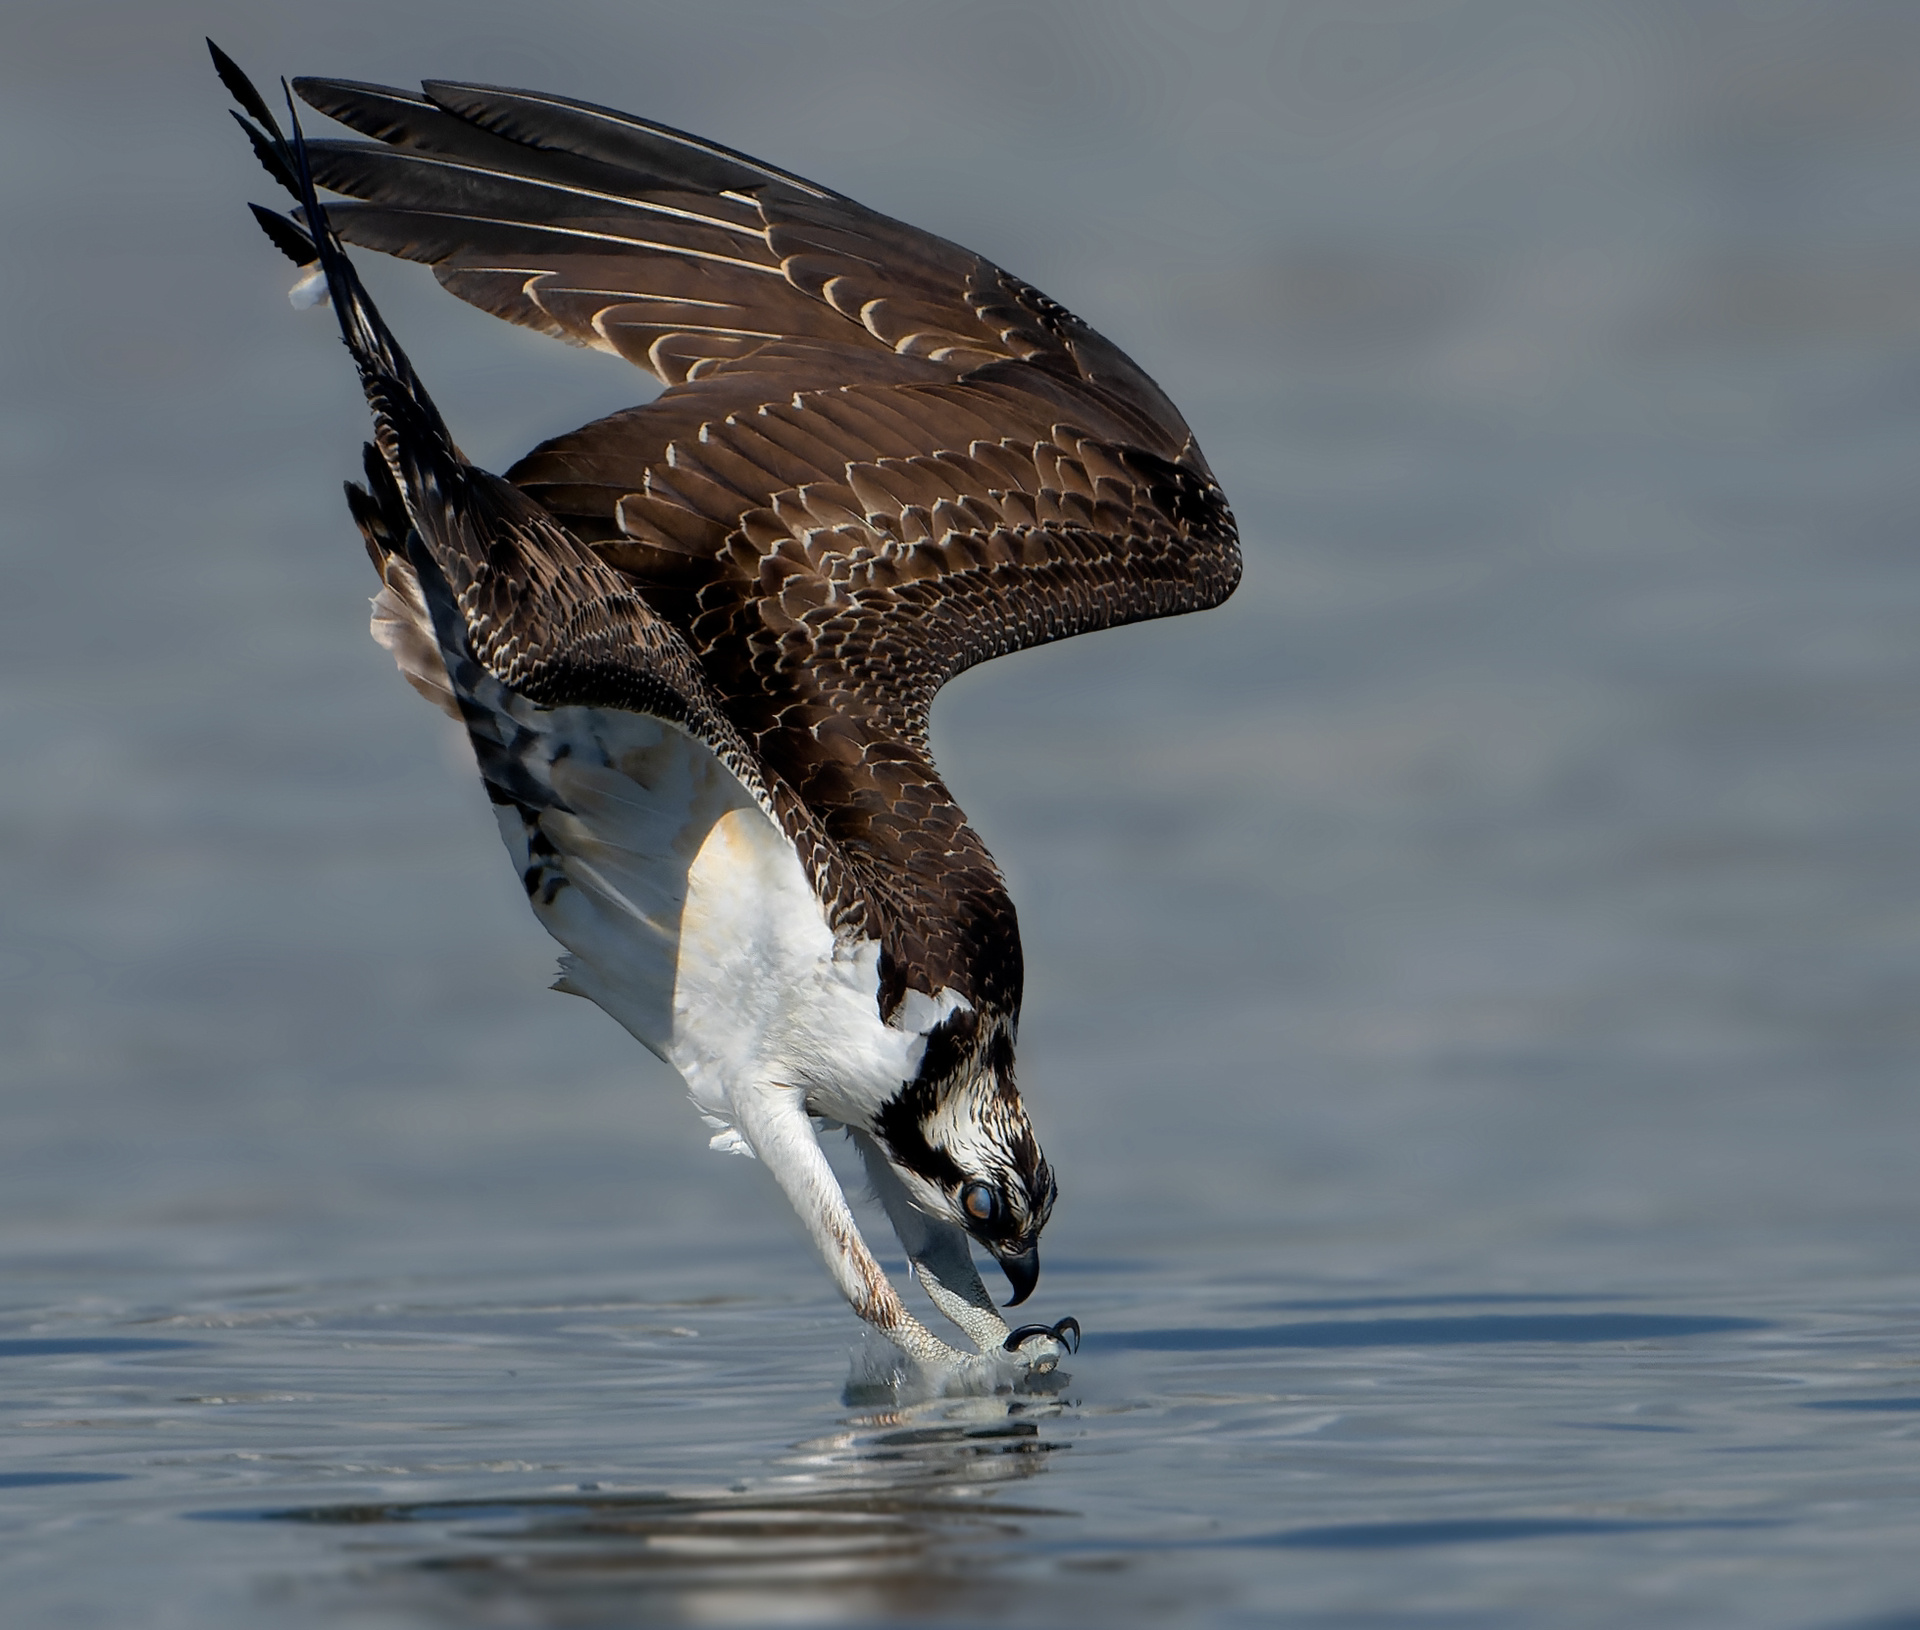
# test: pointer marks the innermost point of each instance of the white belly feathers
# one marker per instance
(684, 908)
(691, 922)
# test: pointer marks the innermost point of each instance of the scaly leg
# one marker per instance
(944, 1265)
(775, 1124)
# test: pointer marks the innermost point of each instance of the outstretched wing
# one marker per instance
(862, 419)
(605, 751)
(879, 459)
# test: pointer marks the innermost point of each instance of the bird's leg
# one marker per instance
(938, 1252)
(775, 1124)
(944, 1265)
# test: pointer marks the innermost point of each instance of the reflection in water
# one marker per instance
(903, 1513)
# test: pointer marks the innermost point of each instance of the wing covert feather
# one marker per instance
(878, 460)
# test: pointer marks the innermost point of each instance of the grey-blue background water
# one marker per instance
(1471, 997)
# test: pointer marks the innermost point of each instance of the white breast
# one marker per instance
(685, 909)
(690, 920)
(763, 994)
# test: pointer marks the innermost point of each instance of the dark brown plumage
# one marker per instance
(879, 459)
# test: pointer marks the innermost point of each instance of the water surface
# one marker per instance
(1471, 996)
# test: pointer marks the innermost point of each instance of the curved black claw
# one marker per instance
(1024, 1333)
(1066, 1332)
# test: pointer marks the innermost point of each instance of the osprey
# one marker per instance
(694, 644)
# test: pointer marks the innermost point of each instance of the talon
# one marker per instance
(1066, 1332)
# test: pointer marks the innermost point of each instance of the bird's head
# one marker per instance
(959, 1139)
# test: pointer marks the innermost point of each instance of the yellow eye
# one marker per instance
(979, 1202)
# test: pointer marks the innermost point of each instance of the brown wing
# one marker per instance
(879, 459)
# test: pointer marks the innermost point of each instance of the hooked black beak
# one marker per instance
(1023, 1273)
